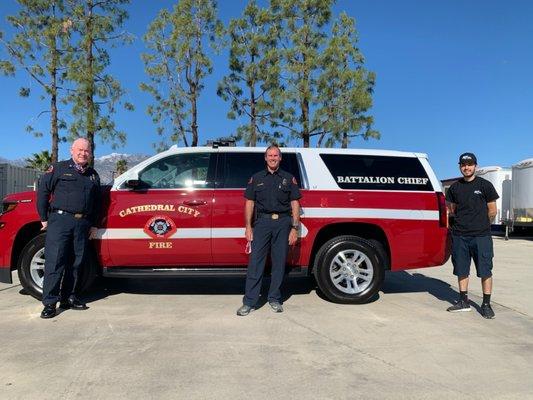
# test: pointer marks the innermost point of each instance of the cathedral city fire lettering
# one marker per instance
(158, 207)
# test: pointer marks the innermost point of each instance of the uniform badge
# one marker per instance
(294, 182)
(284, 182)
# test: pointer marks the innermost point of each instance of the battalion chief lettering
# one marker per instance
(158, 207)
(402, 180)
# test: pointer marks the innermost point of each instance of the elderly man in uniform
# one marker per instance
(273, 195)
(68, 201)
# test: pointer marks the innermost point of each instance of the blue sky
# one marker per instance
(452, 76)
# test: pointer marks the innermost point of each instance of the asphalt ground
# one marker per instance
(181, 339)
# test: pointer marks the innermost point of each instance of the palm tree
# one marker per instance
(39, 161)
(121, 166)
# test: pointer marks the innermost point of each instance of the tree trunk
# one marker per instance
(253, 116)
(305, 122)
(305, 105)
(194, 122)
(54, 131)
(89, 94)
(344, 140)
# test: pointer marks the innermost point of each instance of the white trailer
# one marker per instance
(501, 179)
(522, 194)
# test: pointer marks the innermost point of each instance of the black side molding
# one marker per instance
(133, 272)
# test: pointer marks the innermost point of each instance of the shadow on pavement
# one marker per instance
(395, 282)
(403, 282)
(192, 286)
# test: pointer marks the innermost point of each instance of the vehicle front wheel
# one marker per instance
(349, 269)
(31, 268)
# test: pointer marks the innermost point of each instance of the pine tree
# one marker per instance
(177, 65)
(300, 24)
(253, 82)
(326, 89)
(344, 89)
(38, 48)
(97, 93)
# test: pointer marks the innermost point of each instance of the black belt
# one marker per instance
(273, 215)
(76, 215)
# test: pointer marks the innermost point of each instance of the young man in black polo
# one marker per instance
(473, 202)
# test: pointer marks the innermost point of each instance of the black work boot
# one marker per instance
(49, 311)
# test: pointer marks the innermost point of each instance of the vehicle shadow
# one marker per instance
(395, 282)
(404, 282)
(192, 286)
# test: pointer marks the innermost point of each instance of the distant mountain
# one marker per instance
(18, 163)
(105, 165)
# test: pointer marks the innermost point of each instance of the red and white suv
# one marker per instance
(180, 212)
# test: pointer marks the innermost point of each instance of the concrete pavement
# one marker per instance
(181, 339)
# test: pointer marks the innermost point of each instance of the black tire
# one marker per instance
(368, 274)
(30, 281)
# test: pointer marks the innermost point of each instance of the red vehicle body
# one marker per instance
(173, 228)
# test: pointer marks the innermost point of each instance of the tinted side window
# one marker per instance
(377, 172)
(177, 172)
(235, 169)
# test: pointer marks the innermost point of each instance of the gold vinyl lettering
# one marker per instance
(157, 208)
(160, 245)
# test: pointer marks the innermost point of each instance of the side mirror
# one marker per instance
(133, 183)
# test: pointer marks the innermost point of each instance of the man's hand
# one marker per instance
(44, 225)
(249, 233)
(293, 237)
(92, 232)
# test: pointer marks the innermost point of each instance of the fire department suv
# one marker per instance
(181, 212)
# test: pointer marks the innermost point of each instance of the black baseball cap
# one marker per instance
(467, 158)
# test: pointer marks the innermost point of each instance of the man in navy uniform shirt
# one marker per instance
(472, 200)
(68, 202)
(272, 194)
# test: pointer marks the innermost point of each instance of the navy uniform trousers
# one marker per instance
(65, 250)
(270, 234)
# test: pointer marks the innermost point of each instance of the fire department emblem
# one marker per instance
(160, 227)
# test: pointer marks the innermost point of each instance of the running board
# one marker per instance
(133, 272)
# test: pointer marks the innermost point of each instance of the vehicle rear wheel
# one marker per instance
(349, 269)
(31, 268)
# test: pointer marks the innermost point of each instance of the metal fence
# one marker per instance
(15, 179)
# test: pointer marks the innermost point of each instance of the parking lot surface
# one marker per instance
(181, 339)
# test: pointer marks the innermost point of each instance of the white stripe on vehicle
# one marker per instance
(366, 213)
(307, 212)
(181, 233)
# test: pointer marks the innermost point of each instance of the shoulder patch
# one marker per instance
(50, 169)
(251, 180)
(294, 181)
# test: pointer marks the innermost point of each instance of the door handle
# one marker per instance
(194, 203)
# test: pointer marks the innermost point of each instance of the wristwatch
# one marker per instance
(295, 227)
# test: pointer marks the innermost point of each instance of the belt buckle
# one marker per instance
(78, 216)
(274, 216)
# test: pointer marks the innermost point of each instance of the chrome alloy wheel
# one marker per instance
(351, 271)
(37, 268)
